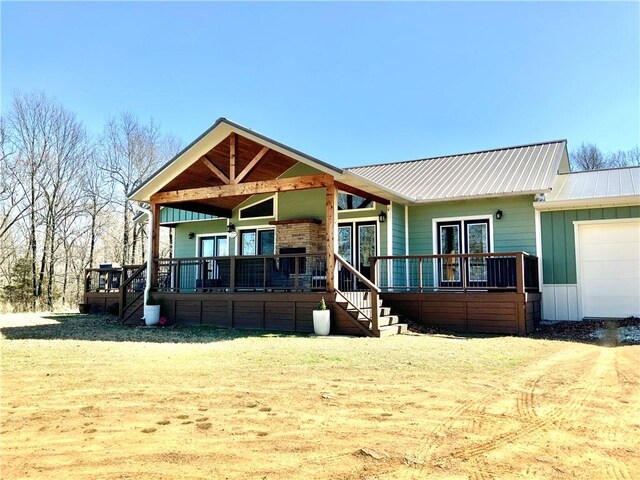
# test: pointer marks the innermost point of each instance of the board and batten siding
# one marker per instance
(170, 215)
(560, 289)
(515, 232)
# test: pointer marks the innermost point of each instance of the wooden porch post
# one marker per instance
(155, 244)
(520, 272)
(331, 237)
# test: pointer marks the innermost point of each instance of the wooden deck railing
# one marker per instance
(132, 292)
(360, 293)
(285, 272)
(107, 280)
(508, 271)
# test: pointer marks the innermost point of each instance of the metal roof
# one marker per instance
(596, 184)
(504, 171)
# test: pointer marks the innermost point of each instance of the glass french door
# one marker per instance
(213, 246)
(257, 242)
(357, 243)
(460, 237)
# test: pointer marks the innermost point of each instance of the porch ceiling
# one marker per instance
(200, 174)
(271, 165)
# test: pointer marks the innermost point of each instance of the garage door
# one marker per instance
(609, 262)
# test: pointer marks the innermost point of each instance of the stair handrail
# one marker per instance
(123, 290)
(374, 290)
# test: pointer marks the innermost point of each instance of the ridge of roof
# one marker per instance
(601, 170)
(563, 140)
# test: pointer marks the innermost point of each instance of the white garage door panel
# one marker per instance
(622, 270)
(610, 251)
(609, 266)
(610, 289)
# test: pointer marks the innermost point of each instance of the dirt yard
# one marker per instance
(84, 398)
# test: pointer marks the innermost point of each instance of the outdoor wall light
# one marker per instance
(499, 214)
(231, 230)
(382, 217)
(191, 235)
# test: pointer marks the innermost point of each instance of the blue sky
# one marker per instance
(349, 83)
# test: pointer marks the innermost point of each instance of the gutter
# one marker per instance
(149, 214)
(575, 204)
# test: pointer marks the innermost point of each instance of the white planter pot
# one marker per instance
(151, 314)
(321, 322)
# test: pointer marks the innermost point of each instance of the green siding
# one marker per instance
(174, 215)
(303, 203)
(186, 247)
(514, 232)
(398, 229)
(558, 239)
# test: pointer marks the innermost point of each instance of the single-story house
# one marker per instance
(488, 241)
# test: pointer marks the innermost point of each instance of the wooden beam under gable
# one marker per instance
(233, 140)
(250, 188)
(361, 193)
(216, 170)
(252, 164)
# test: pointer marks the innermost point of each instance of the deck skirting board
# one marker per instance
(288, 312)
(502, 313)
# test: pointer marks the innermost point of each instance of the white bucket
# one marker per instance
(151, 315)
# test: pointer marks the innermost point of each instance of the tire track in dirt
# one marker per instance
(618, 433)
(604, 367)
(625, 377)
(525, 402)
(558, 416)
(477, 404)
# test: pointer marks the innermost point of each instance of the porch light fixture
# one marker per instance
(191, 235)
(498, 214)
(382, 217)
(231, 230)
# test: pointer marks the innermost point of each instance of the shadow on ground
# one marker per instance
(605, 332)
(106, 328)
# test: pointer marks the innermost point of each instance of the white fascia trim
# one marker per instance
(538, 231)
(478, 197)
(625, 201)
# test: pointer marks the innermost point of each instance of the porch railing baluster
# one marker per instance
(502, 271)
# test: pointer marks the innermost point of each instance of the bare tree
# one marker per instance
(131, 150)
(30, 135)
(56, 196)
(625, 158)
(587, 157)
(98, 196)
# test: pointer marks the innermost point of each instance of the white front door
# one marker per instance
(609, 268)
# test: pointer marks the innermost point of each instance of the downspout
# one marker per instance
(149, 214)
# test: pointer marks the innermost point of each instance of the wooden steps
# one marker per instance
(395, 329)
(388, 324)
